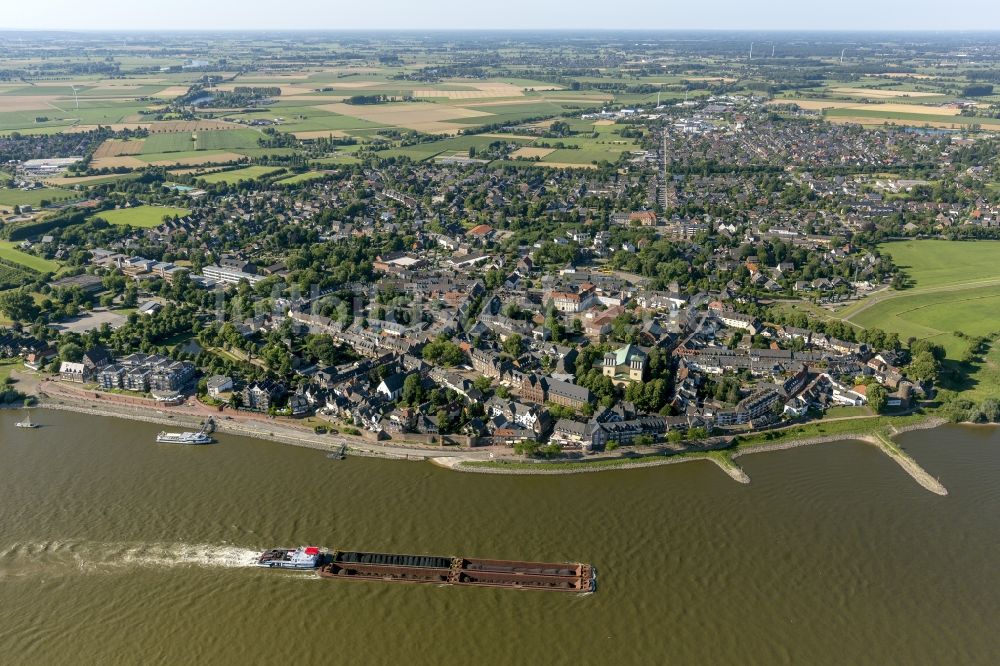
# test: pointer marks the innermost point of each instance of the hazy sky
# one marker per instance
(499, 14)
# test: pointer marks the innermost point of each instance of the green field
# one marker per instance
(65, 115)
(12, 197)
(206, 157)
(141, 216)
(227, 139)
(300, 178)
(235, 176)
(169, 142)
(172, 142)
(933, 263)
(906, 118)
(956, 287)
(10, 252)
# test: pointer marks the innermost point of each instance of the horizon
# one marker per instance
(518, 15)
(813, 31)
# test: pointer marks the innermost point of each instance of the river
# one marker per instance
(116, 550)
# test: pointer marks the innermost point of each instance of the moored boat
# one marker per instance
(183, 438)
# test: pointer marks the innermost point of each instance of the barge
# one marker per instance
(443, 570)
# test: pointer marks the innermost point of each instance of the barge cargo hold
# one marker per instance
(562, 577)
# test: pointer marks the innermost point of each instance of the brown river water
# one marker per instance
(116, 550)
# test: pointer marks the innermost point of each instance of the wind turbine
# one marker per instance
(842, 56)
(76, 98)
(751, 50)
(772, 50)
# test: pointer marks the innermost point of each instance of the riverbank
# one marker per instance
(274, 432)
(874, 430)
(524, 467)
(877, 435)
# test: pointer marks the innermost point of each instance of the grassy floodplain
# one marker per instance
(955, 288)
(141, 216)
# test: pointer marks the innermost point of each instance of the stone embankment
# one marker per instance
(909, 465)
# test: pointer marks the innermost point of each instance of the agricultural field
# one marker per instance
(188, 157)
(141, 216)
(169, 143)
(588, 150)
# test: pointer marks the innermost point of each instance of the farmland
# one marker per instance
(141, 216)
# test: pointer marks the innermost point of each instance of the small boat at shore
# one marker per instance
(26, 423)
(200, 437)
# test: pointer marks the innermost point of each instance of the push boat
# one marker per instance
(287, 558)
(200, 437)
(438, 570)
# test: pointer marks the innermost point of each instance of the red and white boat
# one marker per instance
(306, 557)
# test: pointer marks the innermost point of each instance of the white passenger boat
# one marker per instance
(183, 438)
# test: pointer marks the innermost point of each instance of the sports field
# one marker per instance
(141, 216)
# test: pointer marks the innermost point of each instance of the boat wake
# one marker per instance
(53, 557)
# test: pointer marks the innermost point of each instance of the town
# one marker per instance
(592, 265)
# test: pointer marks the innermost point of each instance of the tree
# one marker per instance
(482, 383)
(443, 351)
(924, 367)
(412, 391)
(514, 345)
(878, 397)
(19, 305)
(71, 352)
(526, 448)
(991, 410)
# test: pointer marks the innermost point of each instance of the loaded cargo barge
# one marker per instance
(562, 577)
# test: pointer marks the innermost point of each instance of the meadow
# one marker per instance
(16, 197)
(955, 288)
(935, 263)
(300, 178)
(235, 176)
(10, 252)
(141, 216)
